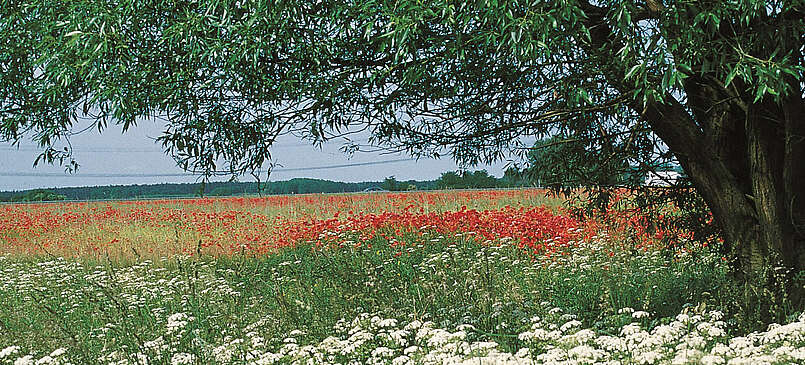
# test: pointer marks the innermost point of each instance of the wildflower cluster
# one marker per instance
(424, 278)
(257, 226)
(536, 229)
(227, 226)
(690, 338)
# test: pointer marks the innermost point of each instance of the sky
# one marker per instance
(136, 153)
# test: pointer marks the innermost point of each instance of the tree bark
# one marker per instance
(750, 177)
(747, 160)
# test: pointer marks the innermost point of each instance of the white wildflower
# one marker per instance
(391, 322)
(222, 354)
(625, 310)
(630, 329)
(640, 314)
(25, 360)
(401, 360)
(570, 325)
(382, 352)
(45, 360)
(182, 358)
(712, 360)
(8, 351)
(177, 321)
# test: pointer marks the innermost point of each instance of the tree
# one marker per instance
(448, 180)
(391, 184)
(513, 177)
(714, 86)
(466, 180)
(567, 162)
(38, 195)
(480, 179)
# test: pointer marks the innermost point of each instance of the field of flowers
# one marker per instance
(257, 226)
(473, 277)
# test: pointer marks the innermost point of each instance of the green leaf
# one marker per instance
(730, 76)
(761, 90)
(632, 71)
(667, 79)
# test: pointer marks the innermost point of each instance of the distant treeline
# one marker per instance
(293, 186)
(448, 180)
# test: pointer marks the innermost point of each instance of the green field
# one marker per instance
(405, 296)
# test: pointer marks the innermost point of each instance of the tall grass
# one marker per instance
(132, 231)
(94, 308)
(128, 283)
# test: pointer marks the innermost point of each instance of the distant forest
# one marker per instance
(448, 180)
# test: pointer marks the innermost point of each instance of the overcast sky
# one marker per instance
(136, 153)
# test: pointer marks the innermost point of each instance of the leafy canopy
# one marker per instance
(471, 78)
(557, 162)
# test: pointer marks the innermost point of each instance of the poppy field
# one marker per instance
(445, 277)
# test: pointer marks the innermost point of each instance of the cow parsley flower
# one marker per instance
(640, 314)
(401, 360)
(570, 325)
(8, 351)
(182, 358)
(177, 321)
(25, 360)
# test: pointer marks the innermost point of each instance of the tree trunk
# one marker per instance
(748, 166)
(747, 160)
(750, 182)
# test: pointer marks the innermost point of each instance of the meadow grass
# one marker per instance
(413, 296)
(128, 231)
(97, 308)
